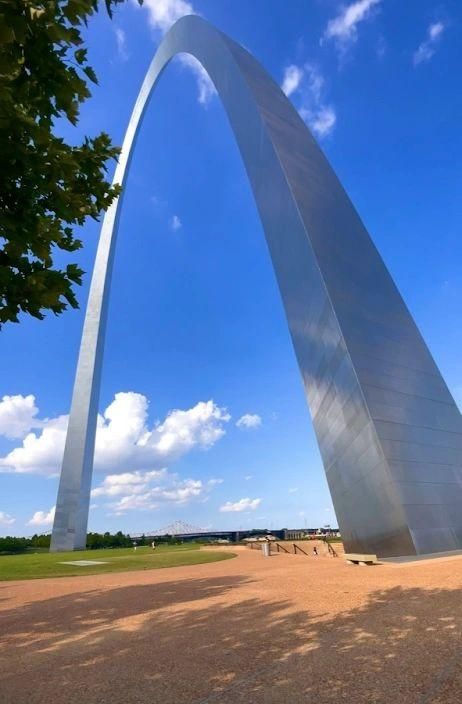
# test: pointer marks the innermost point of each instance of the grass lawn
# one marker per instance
(38, 565)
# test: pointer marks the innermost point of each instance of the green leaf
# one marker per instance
(90, 73)
(47, 185)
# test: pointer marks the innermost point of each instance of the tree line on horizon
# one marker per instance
(95, 541)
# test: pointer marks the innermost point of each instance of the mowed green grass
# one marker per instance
(39, 565)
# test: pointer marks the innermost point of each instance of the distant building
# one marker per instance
(296, 534)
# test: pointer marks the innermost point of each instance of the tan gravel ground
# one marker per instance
(251, 630)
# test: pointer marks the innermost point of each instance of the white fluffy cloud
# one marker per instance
(139, 491)
(40, 452)
(121, 40)
(149, 490)
(292, 79)
(206, 89)
(175, 223)
(343, 29)
(321, 121)
(123, 438)
(17, 415)
(181, 492)
(6, 519)
(249, 420)
(42, 518)
(162, 14)
(428, 47)
(215, 482)
(241, 505)
(128, 483)
(307, 85)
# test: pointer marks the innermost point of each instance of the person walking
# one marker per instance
(153, 545)
(315, 551)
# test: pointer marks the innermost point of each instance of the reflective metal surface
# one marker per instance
(389, 431)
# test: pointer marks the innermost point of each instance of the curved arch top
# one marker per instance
(385, 421)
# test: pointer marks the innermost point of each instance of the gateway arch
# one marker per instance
(389, 431)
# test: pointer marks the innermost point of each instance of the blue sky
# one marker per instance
(205, 417)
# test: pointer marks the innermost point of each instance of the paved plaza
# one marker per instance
(251, 630)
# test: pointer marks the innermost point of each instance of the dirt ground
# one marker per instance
(252, 630)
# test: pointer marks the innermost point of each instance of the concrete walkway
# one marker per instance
(282, 630)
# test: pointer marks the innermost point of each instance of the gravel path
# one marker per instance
(285, 629)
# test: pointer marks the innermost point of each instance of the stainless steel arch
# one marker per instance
(389, 431)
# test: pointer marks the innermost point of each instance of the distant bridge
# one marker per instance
(186, 531)
(176, 528)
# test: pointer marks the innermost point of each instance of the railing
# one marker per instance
(297, 547)
(280, 547)
(330, 549)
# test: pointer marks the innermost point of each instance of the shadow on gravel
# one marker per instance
(162, 644)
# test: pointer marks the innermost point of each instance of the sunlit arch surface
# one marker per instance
(388, 429)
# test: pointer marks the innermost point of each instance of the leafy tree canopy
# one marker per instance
(11, 544)
(47, 186)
